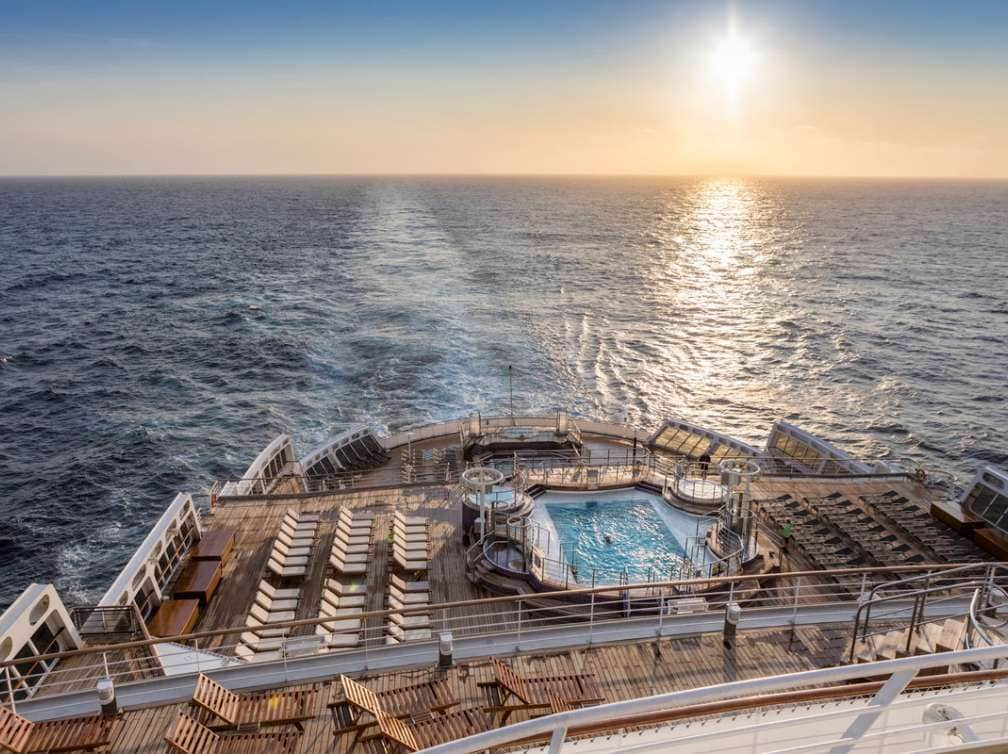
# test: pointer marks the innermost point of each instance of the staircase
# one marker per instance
(927, 638)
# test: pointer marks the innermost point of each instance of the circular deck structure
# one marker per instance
(699, 491)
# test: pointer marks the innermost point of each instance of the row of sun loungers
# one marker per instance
(878, 541)
(293, 544)
(412, 626)
(344, 605)
(271, 605)
(413, 717)
(923, 528)
(410, 542)
(815, 539)
(352, 542)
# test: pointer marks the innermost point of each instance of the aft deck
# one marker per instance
(624, 671)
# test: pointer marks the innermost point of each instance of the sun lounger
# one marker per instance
(20, 735)
(395, 634)
(510, 691)
(286, 553)
(346, 567)
(189, 737)
(271, 707)
(278, 594)
(266, 603)
(410, 622)
(402, 559)
(423, 733)
(410, 520)
(408, 586)
(284, 571)
(409, 598)
(355, 708)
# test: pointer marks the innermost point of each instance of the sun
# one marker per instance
(732, 64)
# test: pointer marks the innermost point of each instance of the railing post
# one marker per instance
(557, 739)
(10, 690)
(518, 646)
(661, 614)
(591, 619)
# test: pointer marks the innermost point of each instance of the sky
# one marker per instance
(885, 88)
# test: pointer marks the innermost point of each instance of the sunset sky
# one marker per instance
(780, 88)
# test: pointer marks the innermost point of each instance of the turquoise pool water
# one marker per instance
(639, 539)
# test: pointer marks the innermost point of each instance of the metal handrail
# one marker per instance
(582, 592)
(555, 727)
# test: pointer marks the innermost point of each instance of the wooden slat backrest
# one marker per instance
(510, 680)
(189, 737)
(559, 705)
(361, 696)
(398, 731)
(14, 730)
(213, 697)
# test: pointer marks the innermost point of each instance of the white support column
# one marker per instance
(885, 696)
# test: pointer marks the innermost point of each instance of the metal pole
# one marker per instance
(511, 390)
(518, 646)
(10, 690)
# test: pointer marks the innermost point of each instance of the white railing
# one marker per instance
(555, 728)
(500, 625)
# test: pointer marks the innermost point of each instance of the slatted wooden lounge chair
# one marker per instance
(355, 708)
(510, 692)
(272, 707)
(423, 733)
(23, 736)
(189, 737)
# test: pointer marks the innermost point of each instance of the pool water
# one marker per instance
(640, 540)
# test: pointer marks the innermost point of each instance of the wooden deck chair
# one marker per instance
(408, 586)
(189, 737)
(311, 517)
(349, 557)
(536, 693)
(270, 707)
(300, 527)
(23, 736)
(423, 733)
(354, 706)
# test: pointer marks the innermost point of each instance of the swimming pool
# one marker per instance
(623, 529)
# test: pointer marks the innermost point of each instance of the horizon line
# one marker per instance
(791, 176)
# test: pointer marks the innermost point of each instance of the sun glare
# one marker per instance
(732, 64)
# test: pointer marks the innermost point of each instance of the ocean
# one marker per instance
(156, 333)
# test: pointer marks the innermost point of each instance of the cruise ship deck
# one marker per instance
(818, 536)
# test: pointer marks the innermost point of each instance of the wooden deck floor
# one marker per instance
(624, 671)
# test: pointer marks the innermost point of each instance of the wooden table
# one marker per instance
(198, 580)
(215, 544)
(174, 617)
